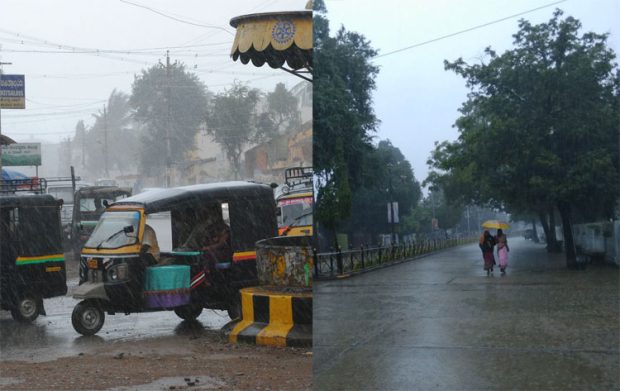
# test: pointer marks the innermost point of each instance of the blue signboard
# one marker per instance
(12, 92)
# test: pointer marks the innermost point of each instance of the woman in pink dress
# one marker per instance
(502, 250)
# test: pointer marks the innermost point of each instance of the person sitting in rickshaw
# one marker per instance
(211, 235)
(150, 245)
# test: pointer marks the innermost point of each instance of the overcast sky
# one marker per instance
(416, 99)
(39, 38)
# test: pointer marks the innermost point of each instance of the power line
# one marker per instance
(177, 19)
(34, 41)
(466, 30)
(47, 106)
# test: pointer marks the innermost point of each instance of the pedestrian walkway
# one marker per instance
(440, 323)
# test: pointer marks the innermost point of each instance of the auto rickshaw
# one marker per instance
(119, 269)
(32, 263)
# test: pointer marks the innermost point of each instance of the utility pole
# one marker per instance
(83, 150)
(169, 120)
(1, 64)
(105, 141)
(392, 210)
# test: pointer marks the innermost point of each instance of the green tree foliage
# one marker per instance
(343, 117)
(112, 126)
(540, 127)
(389, 178)
(233, 122)
(168, 101)
(435, 205)
(282, 114)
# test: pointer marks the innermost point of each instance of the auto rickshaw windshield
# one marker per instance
(110, 230)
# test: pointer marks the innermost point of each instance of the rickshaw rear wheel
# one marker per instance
(188, 312)
(26, 309)
(87, 317)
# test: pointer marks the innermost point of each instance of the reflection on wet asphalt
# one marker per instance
(439, 322)
(52, 336)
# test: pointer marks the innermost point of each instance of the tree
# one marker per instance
(390, 178)
(282, 110)
(170, 103)
(539, 130)
(111, 141)
(343, 117)
(232, 121)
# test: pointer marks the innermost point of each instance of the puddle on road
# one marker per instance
(193, 383)
(8, 381)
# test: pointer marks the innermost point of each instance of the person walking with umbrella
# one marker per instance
(487, 242)
(502, 250)
(503, 254)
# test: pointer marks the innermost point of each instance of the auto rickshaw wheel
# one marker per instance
(188, 312)
(26, 309)
(87, 317)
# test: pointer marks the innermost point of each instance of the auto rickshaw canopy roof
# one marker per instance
(29, 200)
(275, 38)
(105, 191)
(160, 200)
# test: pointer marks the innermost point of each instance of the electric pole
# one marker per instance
(169, 120)
(105, 141)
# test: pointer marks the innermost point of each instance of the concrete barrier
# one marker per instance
(273, 317)
(285, 261)
(279, 311)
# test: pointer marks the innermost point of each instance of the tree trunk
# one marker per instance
(552, 242)
(535, 238)
(545, 225)
(567, 230)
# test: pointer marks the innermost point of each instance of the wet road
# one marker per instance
(53, 336)
(440, 323)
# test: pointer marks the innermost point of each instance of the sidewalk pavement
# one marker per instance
(440, 323)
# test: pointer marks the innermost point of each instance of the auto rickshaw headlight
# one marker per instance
(117, 272)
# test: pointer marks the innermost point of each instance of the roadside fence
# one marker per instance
(343, 263)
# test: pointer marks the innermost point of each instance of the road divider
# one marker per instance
(273, 316)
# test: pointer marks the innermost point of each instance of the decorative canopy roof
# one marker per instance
(6, 140)
(275, 38)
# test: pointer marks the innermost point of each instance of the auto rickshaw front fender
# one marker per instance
(90, 290)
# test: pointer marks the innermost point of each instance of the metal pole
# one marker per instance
(105, 141)
(73, 180)
(391, 205)
(168, 158)
(1, 64)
